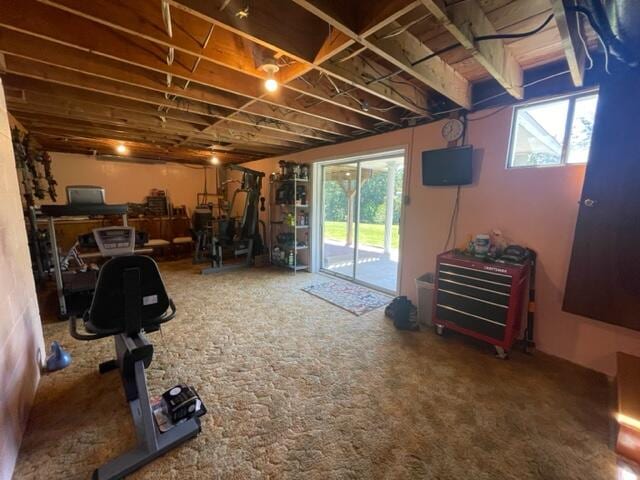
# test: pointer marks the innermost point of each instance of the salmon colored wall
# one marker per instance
(536, 207)
(130, 182)
(21, 342)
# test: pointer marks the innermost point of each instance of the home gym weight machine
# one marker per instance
(226, 236)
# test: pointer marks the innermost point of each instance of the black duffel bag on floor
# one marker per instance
(403, 313)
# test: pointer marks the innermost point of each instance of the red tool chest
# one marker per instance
(479, 298)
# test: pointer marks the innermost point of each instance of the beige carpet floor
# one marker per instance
(299, 389)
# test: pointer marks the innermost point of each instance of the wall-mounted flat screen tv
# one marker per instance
(447, 166)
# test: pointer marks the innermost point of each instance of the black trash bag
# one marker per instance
(403, 313)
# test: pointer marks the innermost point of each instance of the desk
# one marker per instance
(67, 229)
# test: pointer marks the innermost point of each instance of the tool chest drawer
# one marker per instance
(479, 298)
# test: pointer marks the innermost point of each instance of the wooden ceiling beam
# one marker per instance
(72, 130)
(89, 111)
(322, 90)
(23, 45)
(225, 48)
(254, 30)
(360, 73)
(34, 49)
(39, 80)
(20, 69)
(570, 28)
(277, 24)
(159, 119)
(226, 133)
(106, 146)
(467, 21)
(399, 51)
(404, 50)
(83, 148)
(40, 89)
(33, 18)
(233, 140)
(334, 44)
(53, 120)
(34, 125)
(101, 41)
(79, 144)
(189, 34)
(377, 15)
(356, 73)
(50, 74)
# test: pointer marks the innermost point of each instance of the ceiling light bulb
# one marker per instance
(121, 148)
(271, 84)
(215, 160)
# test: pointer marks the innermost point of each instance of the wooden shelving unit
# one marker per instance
(289, 214)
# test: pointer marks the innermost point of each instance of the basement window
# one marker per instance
(554, 132)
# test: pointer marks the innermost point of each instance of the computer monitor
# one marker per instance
(85, 195)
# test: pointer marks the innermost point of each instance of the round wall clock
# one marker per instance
(452, 130)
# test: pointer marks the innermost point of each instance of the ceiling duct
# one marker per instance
(616, 22)
(624, 16)
(118, 158)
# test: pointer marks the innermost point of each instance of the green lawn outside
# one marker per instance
(369, 234)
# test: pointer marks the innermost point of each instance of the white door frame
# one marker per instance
(317, 206)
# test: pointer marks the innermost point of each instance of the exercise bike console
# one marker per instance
(115, 241)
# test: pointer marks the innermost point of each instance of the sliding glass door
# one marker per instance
(361, 203)
(339, 190)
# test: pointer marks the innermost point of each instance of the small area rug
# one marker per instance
(349, 296)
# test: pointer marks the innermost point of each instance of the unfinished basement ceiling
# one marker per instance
(178, 79)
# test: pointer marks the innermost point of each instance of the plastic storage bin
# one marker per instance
(425, 287)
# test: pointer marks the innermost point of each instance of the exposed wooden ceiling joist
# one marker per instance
(404, 50)
(569, 25)
(67, 68)
(224, 48)
(467, 21)
(379, 15)
(227, 133)
(275, 24)
(269, 12)
(334, 43)
(347, 68)
(400, 52)
(30, 88)
(84, 144)
(119, 48)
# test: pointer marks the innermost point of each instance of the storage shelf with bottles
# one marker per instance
(289, 217)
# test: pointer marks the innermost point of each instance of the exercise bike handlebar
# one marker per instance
(73, 326)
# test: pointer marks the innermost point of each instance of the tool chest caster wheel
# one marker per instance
(501, 353)
(440, 329)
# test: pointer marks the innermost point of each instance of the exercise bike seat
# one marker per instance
(130, 296)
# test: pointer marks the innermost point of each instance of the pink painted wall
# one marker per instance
(534, 207)
(21, 343)
(130, 182)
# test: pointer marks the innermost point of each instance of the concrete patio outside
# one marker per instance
(373, 266)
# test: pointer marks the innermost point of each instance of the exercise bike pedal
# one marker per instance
(107, 366)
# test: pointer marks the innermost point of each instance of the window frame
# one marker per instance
(572, 97)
